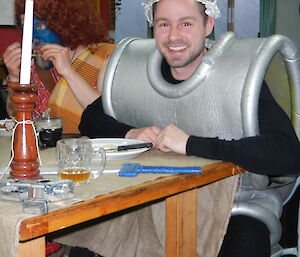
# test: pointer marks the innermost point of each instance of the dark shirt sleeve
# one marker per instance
(95, 123)
(275, 152)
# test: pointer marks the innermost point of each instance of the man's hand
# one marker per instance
(147, 134)
(173, 139)
(12, 60)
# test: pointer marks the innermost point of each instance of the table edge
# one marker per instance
(115, 201)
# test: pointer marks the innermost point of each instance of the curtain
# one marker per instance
(267, 17)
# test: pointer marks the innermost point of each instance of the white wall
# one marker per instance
(288, 20)
(131, 21)
(7, 16)
(221, 22)
(245, 17)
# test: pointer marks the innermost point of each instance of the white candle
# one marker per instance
(27, 43)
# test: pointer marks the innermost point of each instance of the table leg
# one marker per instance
(33, 248)
(181, 224)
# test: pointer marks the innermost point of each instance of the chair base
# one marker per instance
(278, 251)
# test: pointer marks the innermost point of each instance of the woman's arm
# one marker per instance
(12, 60)
(59, 55)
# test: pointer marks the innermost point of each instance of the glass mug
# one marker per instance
(78, 160)
(49, 131)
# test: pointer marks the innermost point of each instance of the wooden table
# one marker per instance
(179, 191)
(180, 194)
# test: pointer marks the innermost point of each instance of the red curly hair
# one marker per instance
(75, 21)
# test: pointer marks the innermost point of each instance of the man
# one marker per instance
(177, 38)
(180, 28)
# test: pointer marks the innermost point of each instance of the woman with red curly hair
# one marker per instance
(68, 40)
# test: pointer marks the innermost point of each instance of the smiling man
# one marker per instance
(180, 29)
(180, 34)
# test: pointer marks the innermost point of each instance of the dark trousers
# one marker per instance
(3, 113)
(246, 237)
(3, 96)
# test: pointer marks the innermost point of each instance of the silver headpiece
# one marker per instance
(211, 9)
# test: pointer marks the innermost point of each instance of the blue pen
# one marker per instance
(132, 169)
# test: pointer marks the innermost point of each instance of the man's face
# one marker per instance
(42, 35)
(180, 31)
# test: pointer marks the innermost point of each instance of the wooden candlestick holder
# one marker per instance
(25, 164)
